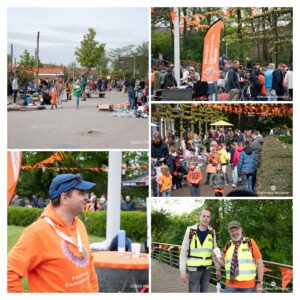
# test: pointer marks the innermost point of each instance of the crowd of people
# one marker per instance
(92, 202)
(56, 90)
(224, 155)
(250, 81)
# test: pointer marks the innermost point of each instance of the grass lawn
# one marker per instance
(275, 174)
(13, 234)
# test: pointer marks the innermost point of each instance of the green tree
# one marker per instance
(130, 59)
(37, 180)
(90, 51)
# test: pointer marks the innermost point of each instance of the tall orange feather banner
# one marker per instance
(14, 160)
(211, 52)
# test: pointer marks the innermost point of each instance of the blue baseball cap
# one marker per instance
(65, 182)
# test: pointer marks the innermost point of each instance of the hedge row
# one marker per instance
(285, 139)
(134, 223)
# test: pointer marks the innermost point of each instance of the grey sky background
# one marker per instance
(62, 29)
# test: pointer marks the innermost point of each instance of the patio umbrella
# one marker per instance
(221, 123)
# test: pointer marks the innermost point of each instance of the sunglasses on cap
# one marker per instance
(76, 177)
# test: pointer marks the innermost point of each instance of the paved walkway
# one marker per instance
(83, 128)
(205, 189)
(166, 279)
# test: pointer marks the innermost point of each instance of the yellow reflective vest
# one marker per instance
(247, 266)
(200, 255)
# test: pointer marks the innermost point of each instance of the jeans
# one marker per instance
(166, 193)
(270, 96)
(131, 97)
(229, 289)
(60, 99)
(195, 190)
(199, 281)
(15, 92)
(247, 180)
(77, 101)
(235, 177)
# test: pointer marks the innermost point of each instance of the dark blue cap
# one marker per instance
(65, 182)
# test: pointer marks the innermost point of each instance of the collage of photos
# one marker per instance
(158, 163)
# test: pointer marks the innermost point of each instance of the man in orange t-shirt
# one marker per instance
(243, 262)
(54, 251)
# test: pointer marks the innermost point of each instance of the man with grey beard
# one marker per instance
(243, 262)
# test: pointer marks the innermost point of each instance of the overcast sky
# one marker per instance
(176, 206)
(62, 29)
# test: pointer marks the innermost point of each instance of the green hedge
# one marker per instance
(134, 223)
(285, 139)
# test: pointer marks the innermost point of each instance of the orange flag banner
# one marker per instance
(287, 275)
(267, 270)
(211, 52)
(14, 160)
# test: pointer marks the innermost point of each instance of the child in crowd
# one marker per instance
(236, 156)
(194, 177)
(213, 160)
(165, 182)
(224, 157)
(53, 100)
(219, 181)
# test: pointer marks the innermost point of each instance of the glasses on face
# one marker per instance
(76, 177)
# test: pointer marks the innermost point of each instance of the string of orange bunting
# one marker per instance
(194, 21)
(267, 110)
(59, 156)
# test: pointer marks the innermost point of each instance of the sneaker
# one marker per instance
(233, 185)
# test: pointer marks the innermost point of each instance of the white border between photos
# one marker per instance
(4, 4)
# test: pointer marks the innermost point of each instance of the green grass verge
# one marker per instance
(275, 174)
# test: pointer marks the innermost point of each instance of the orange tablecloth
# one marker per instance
(110, 259)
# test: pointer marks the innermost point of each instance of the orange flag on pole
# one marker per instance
(14, 160)
(211, 52)
(287, 275)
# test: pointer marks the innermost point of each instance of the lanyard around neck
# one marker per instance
(66, 237)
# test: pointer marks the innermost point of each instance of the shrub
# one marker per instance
(134, 223)
(285, 139)
(22, 216)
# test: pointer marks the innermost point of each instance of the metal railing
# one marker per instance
(169, 254)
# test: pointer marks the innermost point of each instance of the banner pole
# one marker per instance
(176, 46)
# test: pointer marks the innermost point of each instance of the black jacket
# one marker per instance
(233, 79)
(277, 82)
(159, 150)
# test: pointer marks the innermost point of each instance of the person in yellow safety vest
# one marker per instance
(196, 254)
(243, 262)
